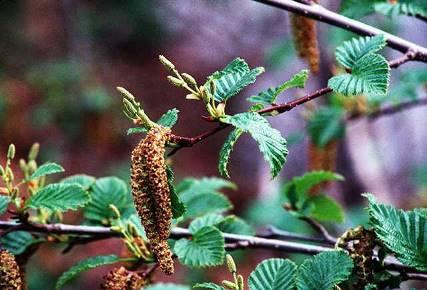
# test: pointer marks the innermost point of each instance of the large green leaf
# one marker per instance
(83, 266)
(4, 203)
(178, 207)
(59, 197)
(233, 78)
(205, 221)
(369, 76)
(224, 153)
(106, 191)
(229, 224)
(168, 119)
(46, 169)
(326, 125)
(205, 249)
(351, 51)
(85, 181)
(402, 232)
(167, 286)
(326, 209)
(17, 242)
(323, 271)
(273, 274)
(270, 141)
(270, 95)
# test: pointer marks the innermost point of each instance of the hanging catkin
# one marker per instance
(122, 279)
(10, 276)
(304, 32)
(151, 194)
(322, 158)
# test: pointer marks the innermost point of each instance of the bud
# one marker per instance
(189, 79)
(1, 170)
(176, 81)
(212, 87)
(129, 109)
(230, 263)
(115, 210)
(34, 151)
(11, 151)
(22, 164)
(9, 174)
(240, 283)
(192, 97)
(229, 284)
(32, 165)
(126, 94)
(167, 63)
(220, 110)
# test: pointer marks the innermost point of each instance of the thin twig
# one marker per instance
(273, 232)
(320, 229)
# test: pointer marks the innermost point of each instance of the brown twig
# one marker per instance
(320, 229)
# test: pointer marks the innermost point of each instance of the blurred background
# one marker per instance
(60, 61)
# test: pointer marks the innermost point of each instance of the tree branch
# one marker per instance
(233, 241)
(322, 14)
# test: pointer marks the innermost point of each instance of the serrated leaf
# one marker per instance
(235, 225)
(58, 197)
(168, 119)
(270, 142)
(47, 169)
(209, 285)
(4, 203)
(273, 274)
(224, 153)
(326, 124)
(167, 286)
(233, 78)
(85, 181)
(178, 207)
(106, 191)
(403, 7)
(17, 242)
(326, 209)
(323, 271)
(205, 249)
(204, 221)
(402, 232)
(369, 76)
(83, 266)
(270, 95)
(351, 51)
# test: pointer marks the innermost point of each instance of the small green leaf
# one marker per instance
(369, 76)
(270, 142)
(357, 8)
(351, 51)
(169, 118)
(227, 147)
(83, 266)
(233, 78)
(58, 197)
(326, 209)
(17, 242)
(235, 225)
(270, 95)
(46, 169)
(85, 181)
(167, 286)
(204, 221)
(4, 203)
(205, 249)
(273, 274)
(327, 124)
(178, 207)
(323, 271)
(209, 285)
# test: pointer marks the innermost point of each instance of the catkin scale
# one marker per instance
(122, 279)
(10, 275)
(151, 194)
(322, 159)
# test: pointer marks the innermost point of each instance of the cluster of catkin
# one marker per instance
(123, 279)
(304, 32)
(150, 190)
(10, 275)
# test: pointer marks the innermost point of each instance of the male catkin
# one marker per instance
(151, 194)
(122, 279)
(10, 276)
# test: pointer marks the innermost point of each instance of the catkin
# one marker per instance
(304, 32)
(10, 275)
(151, 194)
(122, 279)
(322, 159)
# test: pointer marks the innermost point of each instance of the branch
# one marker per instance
(320, 229)
(233, 241)
(322, 14)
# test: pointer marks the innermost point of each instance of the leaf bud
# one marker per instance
(9, 174)
(220, 110)
(176, 81)
(1, 170)
(240, 283)
(11, 152)
(167, 63)
(34, 151)
(229, 284)
(32, 165)
(22, 164)
(192, 97)
(230, 263)
(212, 87)
(189, 79)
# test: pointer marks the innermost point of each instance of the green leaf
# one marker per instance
(178, 207)
(370, 76)
(59, 197)
(235, 225)
(323, 271)
(351, 51)
(402, 232)
(4, 203)
(326, 209)
(270, 95)
(270, 141)
(166, 286)
(357, 8)
(83, 266)
(46, 169)
(403, 7)
(85, 181)
(233, 78)
(224, 153)
(273, 274)
(136, 130)
(168, 119)
(205, 221)
(17, 242)
(106, 191)
(209, 285)
(205, 249)
(326, 125)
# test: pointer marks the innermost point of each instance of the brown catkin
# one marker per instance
(10, 275)
(322, 158)
(151, 194)
(304, 32)
(122, 279)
